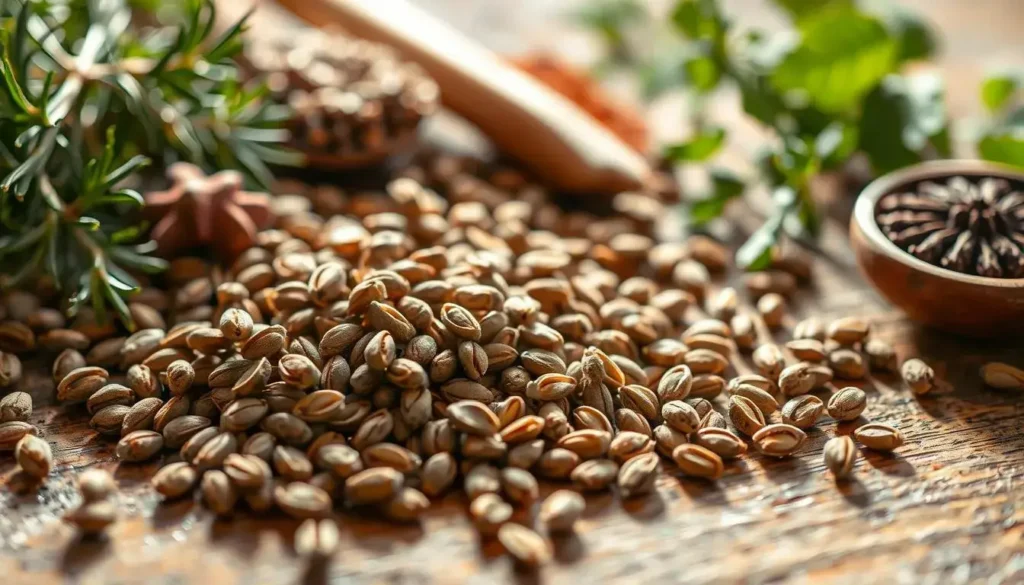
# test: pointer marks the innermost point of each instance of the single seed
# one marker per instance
(745, 415)
(473, 417)
(438, 474)
(810, 328)
(302, 500)
(675, 384)
(489, 513)
(215, 451)
(772, 308)
(109, 395)
(848, 330)
(191, 448)
(847, 404)
(96, 485)
(629, 444)
(743, 331)
(180, 377)
(847, 363)
(722, 442)
(808, 350)
(697, 461)
(108, 420)
(519, 485)
(587, 443)
(840, 455)
(407, 505)
(247, 472)
(803, 411)
(768, 360)
(34, 456)
(236, 324)
(666, 439)
(81, 383)
(881, 356)
(175, 480)
(317, 539)
(560, 510)
(557, 463)
(527, 547)
(141, 415)
(93, 517)
(373, 486)
(219, 494)
(12, 432)
(764, 401)
(680, 416)
(779, 440)
(139, 446)
(918, 376)
(636, 476)
(879, 437)
(180, 429)
(16, 406)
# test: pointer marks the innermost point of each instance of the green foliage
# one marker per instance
(71, 68)
(903, 117)
(610, 19)
(997, 90)
(831, 88)
(842, 55)
(725, 187)
(1002, 140)
(701, 147)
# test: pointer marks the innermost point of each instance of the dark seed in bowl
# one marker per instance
(970, 225)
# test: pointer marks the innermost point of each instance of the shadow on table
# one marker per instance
(81, 552)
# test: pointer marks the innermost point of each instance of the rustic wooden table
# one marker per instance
(948, 508)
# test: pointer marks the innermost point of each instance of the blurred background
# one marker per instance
(975, 38)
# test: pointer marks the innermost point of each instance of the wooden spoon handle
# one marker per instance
(527, 120)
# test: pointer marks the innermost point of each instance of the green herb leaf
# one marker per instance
(842, 55)
(699, 19)
(997, 90)
(726, 186)
(916, 38)
(835, 144)
(702, 73)
(802, 8)
(699, 148)
(904, 121)
(1004, 145)
(756, 253)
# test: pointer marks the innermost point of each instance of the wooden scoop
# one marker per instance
(532, 123)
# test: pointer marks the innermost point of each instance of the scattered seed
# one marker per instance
(879, 437)
(840, 456)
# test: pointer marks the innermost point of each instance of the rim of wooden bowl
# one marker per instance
(864, 212)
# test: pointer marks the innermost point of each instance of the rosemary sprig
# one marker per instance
(86, 100)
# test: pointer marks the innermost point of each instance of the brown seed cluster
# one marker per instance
(353, 101)
(375, 350)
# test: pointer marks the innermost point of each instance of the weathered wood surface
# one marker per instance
(948, 508)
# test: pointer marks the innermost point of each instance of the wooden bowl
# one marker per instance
(970, 305)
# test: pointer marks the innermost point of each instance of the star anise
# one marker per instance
(974, 227)
(206, 211)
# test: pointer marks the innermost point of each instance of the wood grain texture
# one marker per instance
(948, 508)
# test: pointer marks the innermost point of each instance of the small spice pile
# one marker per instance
(352, 102)
(970, 226)
(378, 350)
(581, 88)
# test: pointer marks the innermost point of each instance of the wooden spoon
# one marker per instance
(527, 120)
